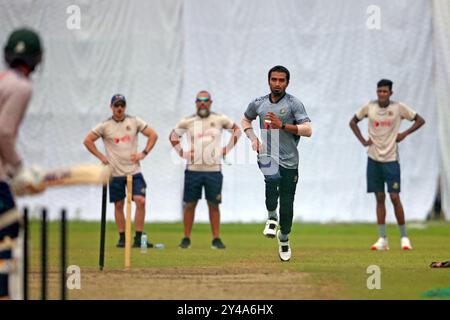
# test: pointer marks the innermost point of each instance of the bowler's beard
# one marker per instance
(277, 93)
(203, 112)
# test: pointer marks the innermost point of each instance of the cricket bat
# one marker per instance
(36, 180)
(77, 174)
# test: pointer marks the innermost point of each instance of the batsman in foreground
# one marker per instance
(283, 120)
(120, 137)
(23, 52)
(383, 165)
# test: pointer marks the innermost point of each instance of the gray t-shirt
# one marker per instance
(280, 144)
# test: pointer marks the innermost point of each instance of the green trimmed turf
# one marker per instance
(334, 256)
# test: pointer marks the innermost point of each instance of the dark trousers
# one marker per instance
(12, 231)
(284, 189)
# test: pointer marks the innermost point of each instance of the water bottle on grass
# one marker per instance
(144, 243)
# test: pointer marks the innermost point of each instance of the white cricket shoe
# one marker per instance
(284, 248)
(405, 243)
(381, 244)
(270, 230)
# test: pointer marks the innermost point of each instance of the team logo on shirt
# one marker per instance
(128, 128)
(384, 123)
(282, 112)
(213, 124)
(390, 113)
(123, 139)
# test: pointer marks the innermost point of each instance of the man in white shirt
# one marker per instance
(120, 137)
(383, 164)
(203, 170)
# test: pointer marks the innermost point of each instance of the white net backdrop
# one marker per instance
(441, 41)
(131, 47)
(159, 54)
(335, 62)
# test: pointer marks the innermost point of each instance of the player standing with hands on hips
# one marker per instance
(22, 53)
(283, 120)
(204, 132)
(383, 165)
(120, 137)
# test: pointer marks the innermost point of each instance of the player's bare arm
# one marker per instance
(11, 117)
(354, 126)
(151, 141)
(89, 143)
(236, 134)
(303, 129)
(8, 151)
(176, 144)
(250, 133)
(418, 122)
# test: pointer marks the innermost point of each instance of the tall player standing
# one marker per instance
(120, 138)
(203, 168)
(23, 52)
(383, 165)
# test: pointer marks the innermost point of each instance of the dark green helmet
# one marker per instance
(23, 47)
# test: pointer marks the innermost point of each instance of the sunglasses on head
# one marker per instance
(200, 99)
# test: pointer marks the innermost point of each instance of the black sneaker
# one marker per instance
(137, 244)
(185, 243)
(121, 243)
(217, 244)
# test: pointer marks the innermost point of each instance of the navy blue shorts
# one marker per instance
(379, 173)
(118, 185)
(4, 284)
(7, 203)
(11, 230)
(194, 181)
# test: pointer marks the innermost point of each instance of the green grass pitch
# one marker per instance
(329, 261)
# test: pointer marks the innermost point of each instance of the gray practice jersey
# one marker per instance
(279, 143)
